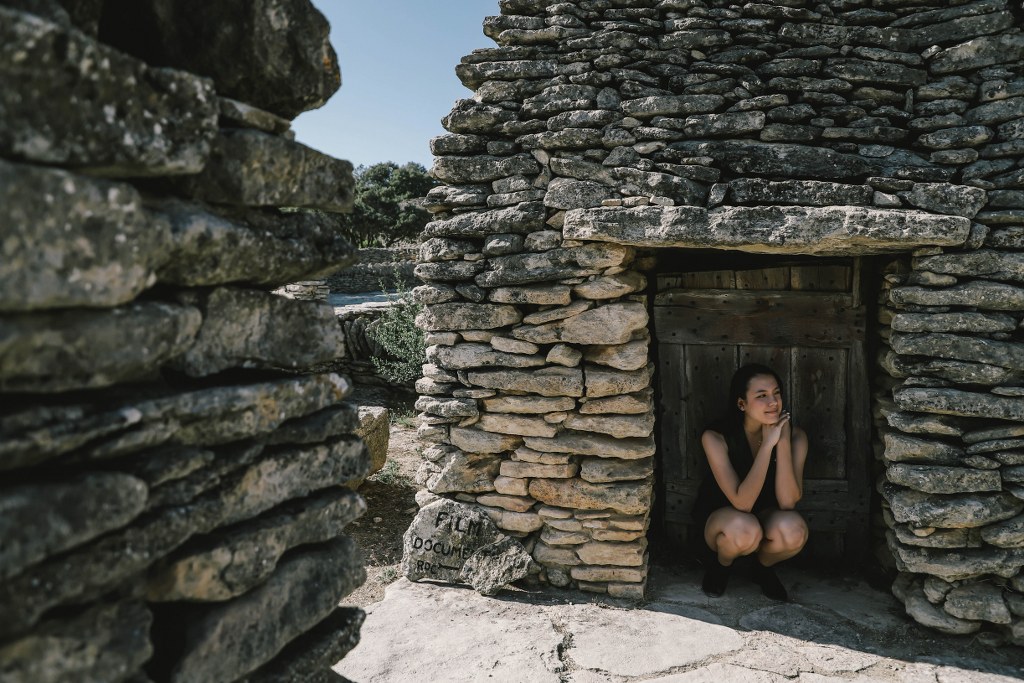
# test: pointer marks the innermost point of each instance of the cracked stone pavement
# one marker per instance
(834, 629)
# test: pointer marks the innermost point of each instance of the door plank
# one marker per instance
(833, 278)
(818, 404)
(764, 278)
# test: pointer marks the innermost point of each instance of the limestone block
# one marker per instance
(448, 271)
(978, 601)
(994, 445)
(545, 381)
(611, 573)
(236, 637)
(554, 536)
(473, 440)
(629, 404)
(632, 498)
(511, 503)
(521, 522)
(799, 192)
(465, 473)
(308, 657)
(105, 642)
(958, 402)
(522, 425)
(832, 230)
(234, 561)
(60, 92)
(951, 511)
(456, 170)
(508, 345)
(672, 105)
(1006, 534)
(325, 425)
(254, 329)
(602, 381)
(611, 286)
(617, 536)
(556, 264)
(43, 519)
(579, 443)
(444, 249)
(461, 316)
(465, 356)
(554, 556)
(559, 295)
(929, 537)
(992, 296)
(938, 479)
(565, 355)
(73, 241)
(524, 454)
(615, 554)
(993, 433)
(447, 407)
(560, 313)
(955, 321)
(955, 200)
(203, 417)
(568, 193)
(255, 247)
(511, 486)
(629, 356)
(527, 470)
(496, 565)
(609, 324)
(953, 564)
(528, 404)
(604, 470)
(997, 265)
(434, 293)
(923, 612)
(80, 349)
(251, 168)
(285, 71)
(619, 426)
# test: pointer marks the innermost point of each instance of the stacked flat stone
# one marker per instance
(842, 128)
(172, 477)
(377, 268)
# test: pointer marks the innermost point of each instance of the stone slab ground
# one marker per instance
(835, 629)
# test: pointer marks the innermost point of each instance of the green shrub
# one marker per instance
(396, 333)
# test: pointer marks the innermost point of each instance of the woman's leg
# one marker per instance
(785, 534)
(731, 533)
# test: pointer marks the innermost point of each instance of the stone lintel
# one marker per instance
(820, 231)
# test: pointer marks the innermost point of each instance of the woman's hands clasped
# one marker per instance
(771, 434)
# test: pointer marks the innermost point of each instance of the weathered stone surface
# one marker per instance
(473, 440)
(465, 472)
(559, 313)
(603, 470)
(567, 193)
(494, 566)
(958, 321)
(614, 554)
(629, 356)
(324, 425)
(938, 479)
(56, 104)
(953, 564)
(800, 192)
(974, 349)
(442, 537)
(447, 407)
(80, 349)
(554, 556)
(927, 614)
(678, 105)
(464, 356)
(528, 404)
(951, 511)
(462, 316)
(611, 286)
(204, 417)
(518, 522)
(632, 498)
(512, 503)
(609, 324)
(455, 170)
(43, 519)
(748, 157)
(523, 425)
(602, 381)
(254, 329)
(997, 265)
(559, 295)
(978, 601)
(956, 200)
(824, 231)
(922, 424)
(257, 247)
(732, 124)
(73, 241)
(958, 402)
(106, 642)
(283, 70)
(593, 444)
(236, 637)
(937, 538)
(619, 426)
(251, 168)
(234, 560)
(1006, 534)
(992, 433)
(529, 470)
(555, 264)
(308, 658)
(520, 219)
(977, 53)
(448, 271)
(545, 381)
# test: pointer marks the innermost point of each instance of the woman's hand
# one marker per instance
(770, 434)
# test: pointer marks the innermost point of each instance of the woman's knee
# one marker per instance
(790, 529)
(744, 532)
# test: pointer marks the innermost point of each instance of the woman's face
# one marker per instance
(763, 402)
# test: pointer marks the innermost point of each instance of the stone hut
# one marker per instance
(170, 466)
(642, 194)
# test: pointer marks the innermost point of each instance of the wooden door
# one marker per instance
(806, 321)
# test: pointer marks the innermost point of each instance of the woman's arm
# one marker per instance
(790, 456)
(741, 494)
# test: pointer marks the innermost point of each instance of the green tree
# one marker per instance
(387, 207)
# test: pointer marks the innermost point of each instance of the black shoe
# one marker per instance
(716, 578)
(766, 578)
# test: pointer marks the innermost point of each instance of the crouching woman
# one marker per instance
(753, 481)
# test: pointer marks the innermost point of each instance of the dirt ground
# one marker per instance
(390, 507)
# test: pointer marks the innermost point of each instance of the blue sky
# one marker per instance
(398, 79)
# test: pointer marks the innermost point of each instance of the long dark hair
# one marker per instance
(733, 416)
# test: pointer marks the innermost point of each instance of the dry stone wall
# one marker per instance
(172, 496)
(841, 127)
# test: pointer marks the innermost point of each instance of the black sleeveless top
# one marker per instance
(710, 496)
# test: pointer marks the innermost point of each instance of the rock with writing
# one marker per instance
(447, 536)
